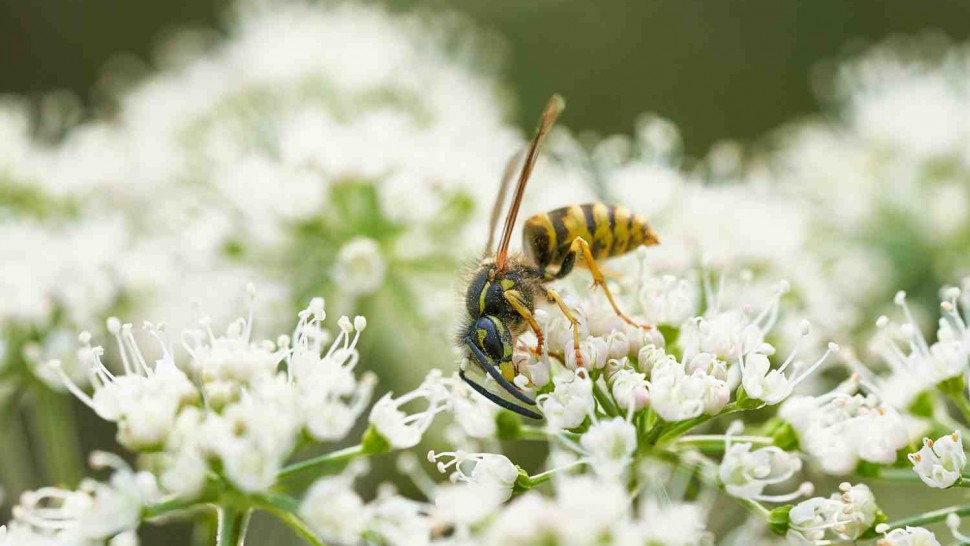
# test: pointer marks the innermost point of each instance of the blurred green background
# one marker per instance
(717, 68)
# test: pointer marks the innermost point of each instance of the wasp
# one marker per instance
(504, 288)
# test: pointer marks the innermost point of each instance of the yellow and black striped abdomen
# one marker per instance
(609, 230)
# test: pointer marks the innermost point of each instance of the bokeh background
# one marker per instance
(724, 70)
(731, 69)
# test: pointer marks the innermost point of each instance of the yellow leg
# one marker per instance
(515, 300)
(555, 297)
(580, 245)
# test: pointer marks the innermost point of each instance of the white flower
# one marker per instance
(360, 267)
(398, 520)
(473, 413)
(570, 401)
(838, 429)
(630, 389)
(848, 514)
(489, 471)
(334, 510)
(608, 447)
(667, 300)
(485, 482)
(403, 431)
(672, 524)
(677, 396)
(772, 386)
(746, 473)
(940, 464)
(95, 512)
(330, 395)
(145, 400)
(910, 536)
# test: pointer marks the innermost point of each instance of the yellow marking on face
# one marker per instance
(508, 370)
(621, 231)
(481, 296)
(482, 334)
(603, 235)
(507, 283)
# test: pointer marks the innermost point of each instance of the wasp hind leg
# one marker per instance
(498, 400)
(579, 246)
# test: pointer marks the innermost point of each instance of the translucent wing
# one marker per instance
(553, 109)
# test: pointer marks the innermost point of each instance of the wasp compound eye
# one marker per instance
(493, 338)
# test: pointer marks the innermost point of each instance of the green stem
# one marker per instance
(897, 475)
(16, 472)
(677, 429)
(233, 523)
(174, 505)
(930, 517)
(285, 509)
(543, 477)
(529, 432)
(716, 442)
(323, 461)
(56, 433)
(962, 403)
(604, 400)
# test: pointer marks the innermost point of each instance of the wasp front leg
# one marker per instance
(514, 297)
(578, 247)
(555, 297)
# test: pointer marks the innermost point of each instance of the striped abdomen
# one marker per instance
(609, 230)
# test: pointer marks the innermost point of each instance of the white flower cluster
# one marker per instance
(96, 513)
(886, 173)
(237, 404)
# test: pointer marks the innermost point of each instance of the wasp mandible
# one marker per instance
(504, 287)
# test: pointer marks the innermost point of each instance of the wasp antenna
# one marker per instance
(498, 400)
(487, 367)
(554, 107)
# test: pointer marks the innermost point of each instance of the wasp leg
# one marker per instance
(515, 300)
(580, 245)
(555, 297)
(494, 398)
(485, 365)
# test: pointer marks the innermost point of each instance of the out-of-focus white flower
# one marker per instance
(667, 300)
(570, 402)
(746, 473)
(940, 464)
(910, 536)
(334, 510)
(399, 520)
(847, 514)
(839, 429)
(672, 523)
(360, 267)
(608, 447)
(403, 431)
(95, 512)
